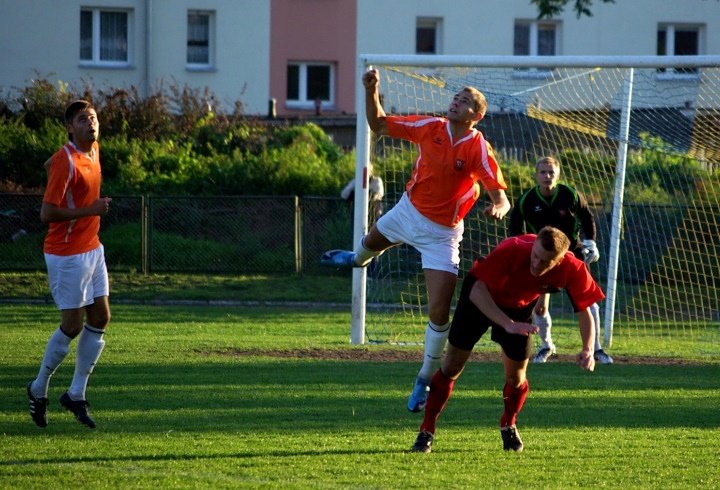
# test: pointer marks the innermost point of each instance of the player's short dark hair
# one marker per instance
(479, 100)
(553, 240)
(74, 107)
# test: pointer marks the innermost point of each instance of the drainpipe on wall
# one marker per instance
(148, 46)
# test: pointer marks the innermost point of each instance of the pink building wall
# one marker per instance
(313, 30)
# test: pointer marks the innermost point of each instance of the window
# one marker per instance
(200, 36)
(534, 38)
(679, 40)
(308, 82)
(427, 36)
(105, 37)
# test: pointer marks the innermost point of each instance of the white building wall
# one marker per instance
(242, 49)
(485, 27)
(40, 38)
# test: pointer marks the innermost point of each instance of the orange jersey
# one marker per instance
(444, 181)
(73, 182)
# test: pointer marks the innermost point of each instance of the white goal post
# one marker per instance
(660, 112)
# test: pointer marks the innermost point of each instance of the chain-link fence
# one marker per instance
(219, 234)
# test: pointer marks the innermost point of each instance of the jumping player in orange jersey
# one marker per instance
(75, 260)
(443, 187)
(500, 293)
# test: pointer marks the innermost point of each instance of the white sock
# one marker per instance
(595, 311)
(56, 350)
(363, 256)
(544, 323)
(435, 338)
(89, 347)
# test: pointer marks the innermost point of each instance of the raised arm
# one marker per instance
(373, 109)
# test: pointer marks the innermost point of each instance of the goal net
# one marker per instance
(639, 137)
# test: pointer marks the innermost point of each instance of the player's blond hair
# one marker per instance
(548, 161)
(553, 240)
(479, 100)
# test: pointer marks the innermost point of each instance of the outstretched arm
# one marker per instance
(585, 358)
(480, 296)
(373, 109)
(500, 204)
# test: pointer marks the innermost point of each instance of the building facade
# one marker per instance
(298, 57)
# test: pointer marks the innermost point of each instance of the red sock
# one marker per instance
(440, 389)
(514, 399)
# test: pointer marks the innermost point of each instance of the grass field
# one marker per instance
(232, 397)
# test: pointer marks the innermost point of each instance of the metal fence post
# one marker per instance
(298, 237)
(144, 235)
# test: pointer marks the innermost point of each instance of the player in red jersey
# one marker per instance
(453, 158)
(75, 261)
(500, 293)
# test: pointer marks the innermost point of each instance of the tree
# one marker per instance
(552, 8)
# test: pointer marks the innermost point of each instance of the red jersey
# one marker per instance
(506, 272)
(73, 182)
(443, 185)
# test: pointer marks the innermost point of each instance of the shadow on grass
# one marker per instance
(194, 457)
(295, 396)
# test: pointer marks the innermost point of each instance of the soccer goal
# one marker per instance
(639, 136)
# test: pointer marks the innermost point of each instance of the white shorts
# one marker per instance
(439, 246)
(76, 280)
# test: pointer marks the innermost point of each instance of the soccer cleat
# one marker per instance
(511, 439)
(418, 397)
(79, 408)
(544, 353)
(423, 443)
(38, 408)
(602, 357)
(338, 258)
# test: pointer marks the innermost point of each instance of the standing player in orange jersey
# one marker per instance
(75, 261)
(453, 158)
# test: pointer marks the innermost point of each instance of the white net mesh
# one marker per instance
(669, 258)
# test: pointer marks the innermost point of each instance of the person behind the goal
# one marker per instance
(499, 293)
(453, 158)
(550, 203)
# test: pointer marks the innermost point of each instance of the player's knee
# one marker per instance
(99, 319)
(439, 315)
(71, 328)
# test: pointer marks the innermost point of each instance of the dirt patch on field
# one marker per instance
(391, 355)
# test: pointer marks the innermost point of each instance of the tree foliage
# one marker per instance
(552, 8)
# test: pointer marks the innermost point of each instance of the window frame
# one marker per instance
(436, 23)
(302, 102)
(210, 65)
(670, 29)
(534, 29)
(96, 41)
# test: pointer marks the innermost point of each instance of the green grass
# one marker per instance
(177, 409)
(131, 286)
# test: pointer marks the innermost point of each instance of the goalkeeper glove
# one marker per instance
(590, 251)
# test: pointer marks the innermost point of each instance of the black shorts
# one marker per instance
(469, 324)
